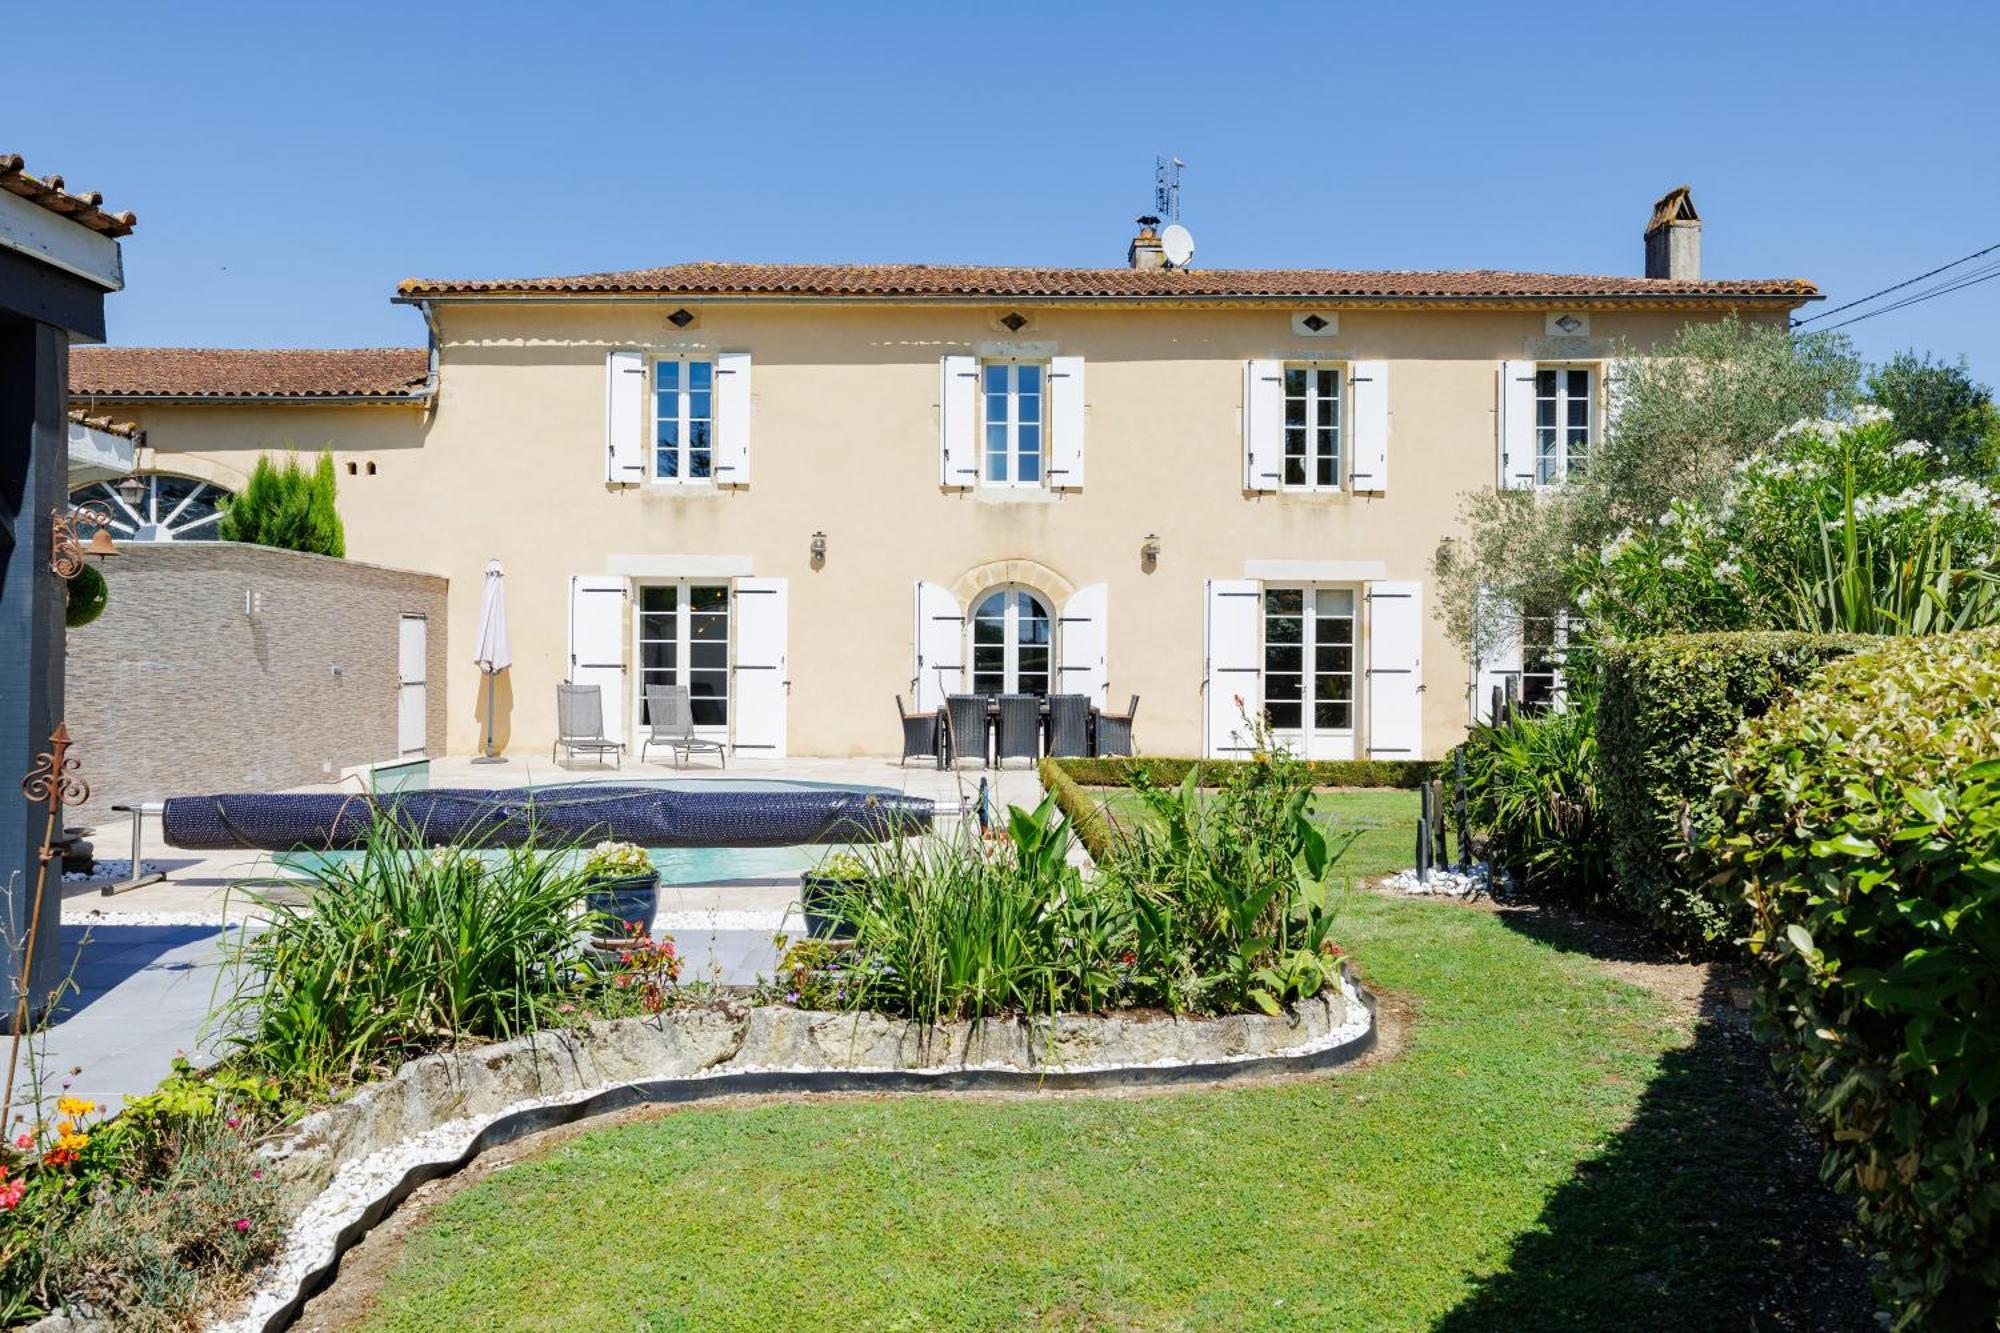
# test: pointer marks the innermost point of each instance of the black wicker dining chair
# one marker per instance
(1114, 730)
(920, 733)
(1069, 725)
(1020, 729)
(965, 722)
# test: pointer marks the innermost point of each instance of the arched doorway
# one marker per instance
(1013, 642)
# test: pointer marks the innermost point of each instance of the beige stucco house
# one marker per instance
(801, 490)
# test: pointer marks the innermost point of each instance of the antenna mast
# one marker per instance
(1167, 187)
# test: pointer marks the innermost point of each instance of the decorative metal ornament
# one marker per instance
(53, 781)
(66, 553)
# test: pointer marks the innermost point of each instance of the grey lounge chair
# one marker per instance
(1069, 724)
(920, 733)
(1020, 729)
(580, 725)
(1114, 730)
(670, 719)
(965, 727)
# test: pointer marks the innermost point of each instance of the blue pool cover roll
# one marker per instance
(548, 816)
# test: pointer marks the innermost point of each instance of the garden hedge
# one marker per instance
(1165, 772)
(1862, 822)
(1669, 709)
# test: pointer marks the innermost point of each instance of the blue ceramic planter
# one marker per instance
(631, 901)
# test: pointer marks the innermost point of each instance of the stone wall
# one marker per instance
(177, 689)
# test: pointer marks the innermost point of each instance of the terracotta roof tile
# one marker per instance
(128, 429)
(85, 209)
(219, 372)
(945, 281)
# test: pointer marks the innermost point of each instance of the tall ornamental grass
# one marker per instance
(400, 950)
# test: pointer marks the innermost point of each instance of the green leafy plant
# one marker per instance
(1861, 823)
(400, 949)
(285, 506)
(1531, 785)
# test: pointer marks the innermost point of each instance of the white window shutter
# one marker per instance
(1395, 670)
(1517, 425)
(1066, 422)
(1615, 393)
(1263, 424)
(1500, 658)
(732, 418)
(958, 421)
(625, 417)
(1370, 433)
(1233, 668)
(597, 638)
(763, 668)
(938, 667)
(1082, 641)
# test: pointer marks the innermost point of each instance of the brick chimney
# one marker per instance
(1673, 237)
(1145, 251)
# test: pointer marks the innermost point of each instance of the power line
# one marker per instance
(1896, 288)
(1973, 279)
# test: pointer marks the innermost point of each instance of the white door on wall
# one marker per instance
(682, 634)
(763, 670)
(597, 643)
(1309, 682)
(412, 639)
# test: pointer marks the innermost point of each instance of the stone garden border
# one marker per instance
(348, 1166)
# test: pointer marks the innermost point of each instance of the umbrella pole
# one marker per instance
(486, 754)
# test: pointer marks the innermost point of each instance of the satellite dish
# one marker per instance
(1177, 243)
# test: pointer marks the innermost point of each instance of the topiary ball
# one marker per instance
(87, 595)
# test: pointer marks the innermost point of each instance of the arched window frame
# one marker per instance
(1017, 673)
(192, 516)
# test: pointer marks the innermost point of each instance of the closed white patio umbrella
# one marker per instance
(492, 653)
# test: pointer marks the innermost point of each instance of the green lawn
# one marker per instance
(1387, 820)
(1555, 1149)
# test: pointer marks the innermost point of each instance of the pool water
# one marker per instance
(677, 865)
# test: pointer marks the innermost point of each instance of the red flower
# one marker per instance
(1130, 958)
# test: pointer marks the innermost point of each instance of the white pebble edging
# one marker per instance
(363, 1191)
(1443, 883)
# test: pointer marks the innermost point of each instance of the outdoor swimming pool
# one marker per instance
(682, 865)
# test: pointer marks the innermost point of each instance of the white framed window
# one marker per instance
(1544, 653)
(1013, 415)
(683, 634)
(1013, 641)
(1565, 422)
(683, 420)
(1309, 644)
(1312, 427)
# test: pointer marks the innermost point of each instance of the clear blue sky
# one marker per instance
(290, 163)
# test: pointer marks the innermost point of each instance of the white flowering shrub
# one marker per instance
(1839, 525)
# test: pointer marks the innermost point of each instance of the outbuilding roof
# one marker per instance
(85, 209)
(387, 373)
(959, 281)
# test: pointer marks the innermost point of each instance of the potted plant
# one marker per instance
(825, 889)
(623, 886)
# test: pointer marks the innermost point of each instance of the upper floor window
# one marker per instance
(1012, 394)
(683, 420)
(1565, 421)
(1312, 427)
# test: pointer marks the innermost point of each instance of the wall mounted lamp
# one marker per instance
(818, 549)
(1149, 552)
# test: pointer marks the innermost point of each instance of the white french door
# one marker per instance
(682, 630)
(1309, 677)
